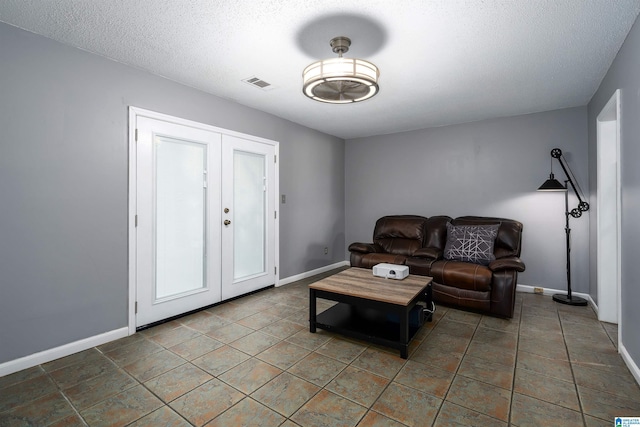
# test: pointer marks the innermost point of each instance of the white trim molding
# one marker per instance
(547, 291)
(631, 364)
(64, 350)
(311, 273)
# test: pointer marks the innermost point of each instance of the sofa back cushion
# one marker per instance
(400, 234)
(509, 236)
(435, 232)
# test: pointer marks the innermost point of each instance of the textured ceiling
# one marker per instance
(441, 61)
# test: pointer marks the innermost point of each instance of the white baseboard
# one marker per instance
(547, 291)
(45, 356)
(64, 350)
(631, 364)
(307, 274)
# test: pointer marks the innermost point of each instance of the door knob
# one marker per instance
(226, 210)
(227, 222)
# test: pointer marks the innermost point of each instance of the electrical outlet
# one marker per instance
(326, 250)
(538, 290)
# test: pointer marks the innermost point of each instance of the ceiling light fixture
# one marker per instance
(340, 80)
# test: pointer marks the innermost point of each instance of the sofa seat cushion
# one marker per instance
(369, 260)
(462, 275)
(419, 266)
(450, 295)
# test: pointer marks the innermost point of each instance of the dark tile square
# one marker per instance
(206, 402)
(40, 412)
(358, 385)
(328, 409)
(178, 381)
(452, 415)
(285, 393)
(545, 388)
(379, 362)
(480, 397)
(122, 408)
(221, 360)
(527, 411)
(407, 406)
(248, 413)
(317, 369)
(154, 365)
(250, 375)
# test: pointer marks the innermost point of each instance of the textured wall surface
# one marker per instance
(489, 168)
(63, 186)
(624, 74)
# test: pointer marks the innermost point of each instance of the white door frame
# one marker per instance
(608, 140)
(134, 113)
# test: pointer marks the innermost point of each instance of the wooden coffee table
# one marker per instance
(370, 308)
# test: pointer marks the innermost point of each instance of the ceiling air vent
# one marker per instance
(259, 83)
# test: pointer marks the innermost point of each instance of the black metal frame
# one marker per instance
(583, 206)
(367, 319)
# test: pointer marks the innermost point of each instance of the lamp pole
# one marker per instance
(567, 232)
(568, 298)
(553, 185)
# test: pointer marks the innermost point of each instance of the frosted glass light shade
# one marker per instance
(340, 80)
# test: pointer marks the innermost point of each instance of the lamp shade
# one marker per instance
(552, 184)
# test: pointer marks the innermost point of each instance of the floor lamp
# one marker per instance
(553, 184)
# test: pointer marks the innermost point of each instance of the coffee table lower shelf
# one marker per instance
(366, 324)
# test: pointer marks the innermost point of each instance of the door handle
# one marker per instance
(227, 222)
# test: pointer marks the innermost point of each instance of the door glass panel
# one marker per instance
(180, 217)
(249, 214)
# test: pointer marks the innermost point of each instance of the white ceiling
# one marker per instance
(441, 61)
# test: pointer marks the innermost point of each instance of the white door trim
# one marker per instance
(134, 113)
(608, 138)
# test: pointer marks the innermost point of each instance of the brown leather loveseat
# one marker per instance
(465, 273)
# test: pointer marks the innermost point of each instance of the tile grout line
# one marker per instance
(444, 398)
(64, 396)
(515, 365)
(573, 375)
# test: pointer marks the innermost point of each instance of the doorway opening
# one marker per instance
(608, 214)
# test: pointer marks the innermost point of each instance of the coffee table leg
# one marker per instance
(430, 302)
(404, 334)
(312, 311)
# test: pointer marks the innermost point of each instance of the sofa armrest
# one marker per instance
(365, 248)
(431, 253)
(507, 263)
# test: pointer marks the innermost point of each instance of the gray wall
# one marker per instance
(63, 186)
(489, 168)
(624, 74)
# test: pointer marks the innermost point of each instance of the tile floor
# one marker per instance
(252, 362)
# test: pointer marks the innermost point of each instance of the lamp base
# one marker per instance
(564, 299)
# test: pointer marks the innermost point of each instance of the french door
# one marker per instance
(205, 217)
(248, 216)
